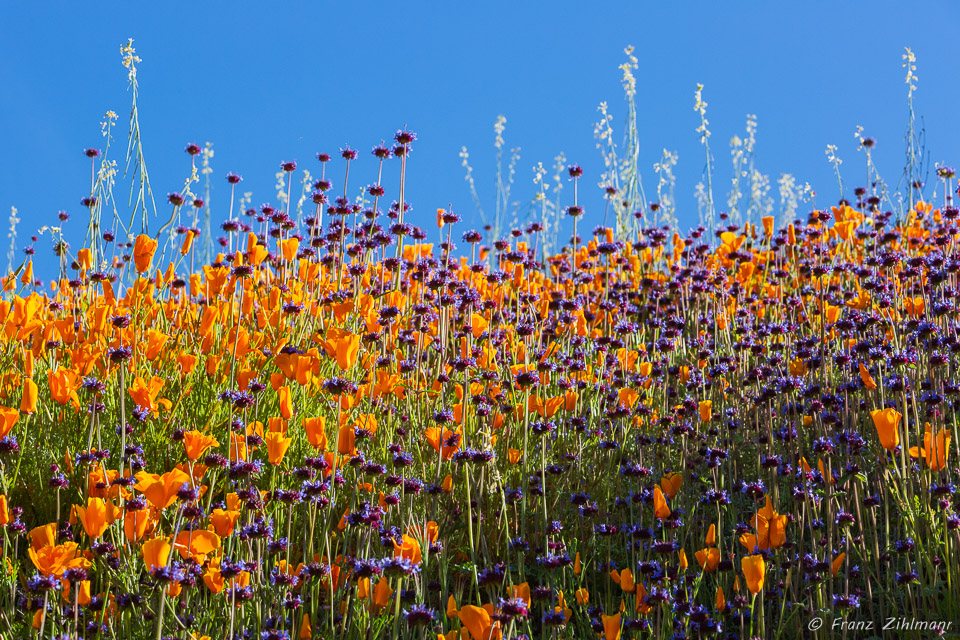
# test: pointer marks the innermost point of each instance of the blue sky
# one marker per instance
(269, 82)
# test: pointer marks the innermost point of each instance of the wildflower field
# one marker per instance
(351, 423)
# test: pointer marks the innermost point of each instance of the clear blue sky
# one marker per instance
(268, 82)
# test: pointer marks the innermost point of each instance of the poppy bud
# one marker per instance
(28, 401)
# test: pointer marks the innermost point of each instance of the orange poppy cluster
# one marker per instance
(292, 446)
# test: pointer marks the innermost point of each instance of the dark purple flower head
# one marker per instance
(405, 137)
(120, 354)
(74, 575)
(188, 493)
(554, 619)
(243, 271)
(395, 567)
(419, 615)
(514, 608)
(527, 379)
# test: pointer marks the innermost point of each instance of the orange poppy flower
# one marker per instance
(161, 491)
(886, 421)
(767, 222)
(63, 386)
(223, 521)
(277, 446)
(43, 536)
(754, 568)
(628, 397)
(865, 377)
(562, 606)
(521, 591)
(196, 544)
(196, 443)
(95, 517)
(55, 559)
(8, 418)
(837, 564)
(708, 559)
(155, 343)
(85, 259)
(306, 632)
(343, 346)
(143, 249)
(771, 530)
(136, 524)
(186, 363)
(706, 408)
(611, 627)
(936, 449)
(289, 248)
(478, 623)
(382, 594)
(187, 243)
(145, 394)
(660, 508)
(213, 578)
(346, 441)
(671, 484)
(409, 549)
(445, 442)
(316, 429)
(624, 578)
(155, 553)
(238, 447)
(28, 399)
(286, 402)
(82, 595)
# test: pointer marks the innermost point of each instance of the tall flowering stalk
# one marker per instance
(135, 159)
(700, 106)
